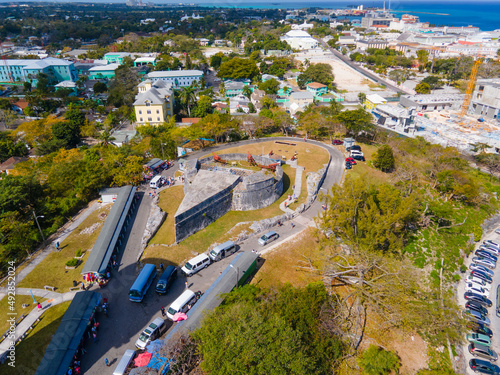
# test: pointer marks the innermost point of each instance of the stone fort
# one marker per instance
(210, 191)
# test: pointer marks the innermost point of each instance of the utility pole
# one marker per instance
(38, 225)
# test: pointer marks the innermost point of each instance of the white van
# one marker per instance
(150, 333)
(156, 182)
(221, 251)
(124, 362)
(194, 265)
(181, 303)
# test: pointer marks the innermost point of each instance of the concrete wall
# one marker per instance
(239, 157)
(258, 190)
(203, 214)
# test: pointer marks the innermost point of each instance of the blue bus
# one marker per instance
(142, 283)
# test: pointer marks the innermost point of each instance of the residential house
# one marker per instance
(233, 88)
(267, 77)
(298, 101)
(238, 103)
(8, 165)
(140, 61)
(70, 85)
(154, 102)
(373, 100)
(116, 57)
(203, 42)
(256, 97)
(177, 78)
(103, 71)
(220, 107)
(317, 89)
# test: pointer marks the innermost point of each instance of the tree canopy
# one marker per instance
(238, 68)
(321, 73)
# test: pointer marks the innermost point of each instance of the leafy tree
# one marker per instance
(188, 96)
(383, 158)
(203, 107)
(377, 361)
(433, 81)
(321, 73)
(356, 121)
(247, 91)
(64, 132)
(123, 88)
(5, 104)
(238, 68)
(423, 88)
(273, 318)
(361, 97)
(216, 60)
(100, 87)
(43, 85)
(271, 86)
(423, 57)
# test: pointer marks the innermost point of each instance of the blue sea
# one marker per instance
(483, 14)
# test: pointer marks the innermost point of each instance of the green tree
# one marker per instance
(321, 73)
(216, 60)
(383, 158)
(188, 96)
(433, 81)
(356, 121)
(203, 106)
(100, 87)
(247, 91)
(361, 97)
(64, 132)
(423, 88)
(238, 68)
(377, 361)
(271, 86)
(423, 57)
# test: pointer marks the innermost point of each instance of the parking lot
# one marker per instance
(495, 321)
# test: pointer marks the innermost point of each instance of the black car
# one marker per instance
(473, 305)
(484, 367)
(166, 279)
(486, 254)
(358, 157)
(348, 165)
(482, 276)
(480, 328)
(337, 142)
(478, 298)
(355, 147)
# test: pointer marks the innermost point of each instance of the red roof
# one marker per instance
(465, 43)
(21, 103)
(11, 162)
(315, 85)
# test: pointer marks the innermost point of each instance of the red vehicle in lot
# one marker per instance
(351, 160)
(337, 142)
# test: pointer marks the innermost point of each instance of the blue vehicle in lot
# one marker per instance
(142, 283)
(486, 254)
(484, 367)
(481, 275)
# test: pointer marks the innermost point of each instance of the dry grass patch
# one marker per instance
(5, 308)
(283, 264)
(365, 170)
(170, 200)
(224, 229)
(51, 271)
(311, 157)
(30, 351)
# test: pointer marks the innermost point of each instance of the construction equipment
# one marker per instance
(218, 159)
(470, 88)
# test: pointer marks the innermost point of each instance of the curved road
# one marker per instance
(126, 319)
(348, 61)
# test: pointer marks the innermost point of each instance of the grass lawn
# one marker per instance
(221, 230)
(18, 308)
(51, 271)
(364, 169)
(170, 199)
(282, 264)
(30, 351)
(310, 157)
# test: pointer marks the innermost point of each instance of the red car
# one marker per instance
(351, 160)
(337, 142)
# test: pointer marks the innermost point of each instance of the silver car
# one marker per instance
(482, 351)
(488, 263)
(268, 237)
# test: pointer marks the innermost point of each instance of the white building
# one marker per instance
(178, 78)
(303, 26)
(299, 39)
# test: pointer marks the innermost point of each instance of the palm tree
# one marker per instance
(247, 91)
(105, 137)
(188, 96)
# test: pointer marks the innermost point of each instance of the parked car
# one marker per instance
(337, 142)
(482, 366)
(479, 338)
(474, 279)
(348, 165)
(472, 305)
(358, 157)
(485, 262)
(268, 237)
(497, 231)
(150, 333)
(482, 276)
(490, 249)
(355, 152)
(486, 254)
(492, 243)
(498, 301)
(477, 317)
(480, 299)
(483, 269)
(480, 328)
(355, 147)
(483, 352)
(351, 160)
(166, 279)
(470, 287)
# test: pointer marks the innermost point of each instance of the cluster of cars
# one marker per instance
(477, 296)
(354, 154)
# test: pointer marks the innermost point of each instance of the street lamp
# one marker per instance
(237, 273)
(38, 225)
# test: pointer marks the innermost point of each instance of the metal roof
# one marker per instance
(62, 347)
(103, 248)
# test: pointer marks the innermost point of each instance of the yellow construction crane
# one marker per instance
(470, 88)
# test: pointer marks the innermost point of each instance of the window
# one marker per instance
(148, 104)
(150, 119)
(157, 111)
(149, 111)
(140, 119)
(140, 112)
(158, 119)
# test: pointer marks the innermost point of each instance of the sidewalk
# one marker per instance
(296, 189)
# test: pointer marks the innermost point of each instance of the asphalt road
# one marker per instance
(126, 319)
(348, 61)
(495, 321)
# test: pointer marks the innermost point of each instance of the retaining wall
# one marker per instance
(258, 190)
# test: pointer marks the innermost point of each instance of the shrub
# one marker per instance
(72, 263)
(377, 361)
(78, 253)
(383, 159)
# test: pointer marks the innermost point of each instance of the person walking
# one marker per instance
(163, 312)
(186, 283)
(106, 362)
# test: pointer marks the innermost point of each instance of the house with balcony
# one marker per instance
(317, 89)
(154, 102)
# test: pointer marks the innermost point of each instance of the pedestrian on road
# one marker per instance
(94, 335)
(186, 283)
(163, 312)
(106, 362)
(39, 306)
(292, 224)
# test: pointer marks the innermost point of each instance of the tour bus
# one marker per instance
(142, 283)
